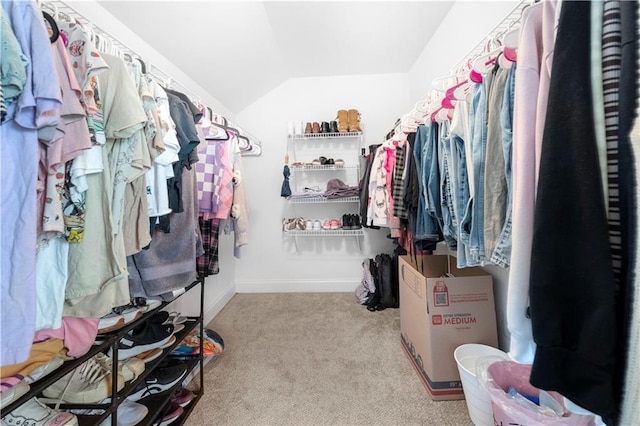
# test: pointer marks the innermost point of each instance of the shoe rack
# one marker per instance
(111, 341)
(302, 149)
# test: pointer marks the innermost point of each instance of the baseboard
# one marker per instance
(213, 307)
(296, 286)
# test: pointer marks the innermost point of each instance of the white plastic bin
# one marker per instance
(478, 402)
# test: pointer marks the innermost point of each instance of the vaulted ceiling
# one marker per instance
(239, 50)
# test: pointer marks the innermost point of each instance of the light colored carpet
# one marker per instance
(314, 359)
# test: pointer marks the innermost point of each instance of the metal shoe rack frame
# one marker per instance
(112, 340)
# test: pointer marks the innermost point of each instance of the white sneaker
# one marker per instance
(87, 384)
(13, 393)
(33, 412)
(110, 322)
(129, 414)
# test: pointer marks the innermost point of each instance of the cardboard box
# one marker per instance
(439, 314)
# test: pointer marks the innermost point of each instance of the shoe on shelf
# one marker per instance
(343, 121)
(354, 121)
(159, 380)
(346, 222)
(150, 355)
(14, 392)
(142, 338)
(33, 412)
(335, 224)
(339, 162)
(129, 414)
(130, 368)
(315, 127)
(150, 305)
(110, 322)
(170, 414)
(317, 225)
(288, 225)
(176, 318)
(333, 127)
(324, 127)
(44, 369)
(326, 224)
(309, 225)
(159, 317)
(308, 128)
(87, 384)
(301, 224)
(355, 222)
(183, 397)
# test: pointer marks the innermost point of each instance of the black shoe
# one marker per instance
(355, 222)
(333, 127)
(347, 222)
(159, 380)
(324, 127)
(144, 337)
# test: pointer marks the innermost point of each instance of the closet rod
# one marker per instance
(63, 8)
(509, 21)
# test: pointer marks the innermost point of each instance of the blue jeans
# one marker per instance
(502, 253)
(460, 183)
(445, 161)
(472, 229)
(426, 225)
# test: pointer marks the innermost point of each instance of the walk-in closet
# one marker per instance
(224, 212)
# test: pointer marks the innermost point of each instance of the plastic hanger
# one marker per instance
(55, 31)
(143, 66)
(458, 91)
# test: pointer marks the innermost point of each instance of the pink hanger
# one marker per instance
(451, 92)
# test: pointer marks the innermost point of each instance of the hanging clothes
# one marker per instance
(576, 345)
(34, 108)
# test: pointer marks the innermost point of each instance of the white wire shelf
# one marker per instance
(324, 200)
(343, 135)
(313, 168)
(325, 233)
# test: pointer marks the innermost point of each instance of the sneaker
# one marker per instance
(131, 368)
(150, 355)
(175, 318)
(33, 412)
(170, 414)
(183, 397)
(44, 369)
(87, 384)
(150, 305)
(347, 222)
(129, 414)
(159, 380)
(13, 393)
(142, 338)
(110, 322)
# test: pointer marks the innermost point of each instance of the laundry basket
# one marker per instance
(478, 401)
(497, 377)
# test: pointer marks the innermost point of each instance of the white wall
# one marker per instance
(270, 263)
(466, 24)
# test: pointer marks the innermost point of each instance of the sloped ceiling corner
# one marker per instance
(239, 50)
